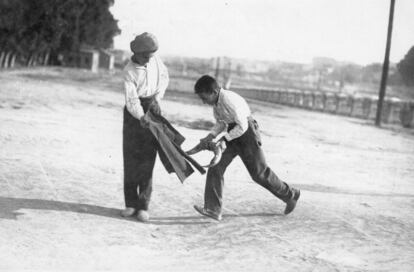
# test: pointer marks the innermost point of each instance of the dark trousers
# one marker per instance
(139, 153)
(248, 147)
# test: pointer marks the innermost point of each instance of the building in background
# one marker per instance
(121, 57)
(106, 59)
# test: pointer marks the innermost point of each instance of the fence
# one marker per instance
(365, 107)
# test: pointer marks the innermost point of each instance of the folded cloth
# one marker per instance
(170, 141)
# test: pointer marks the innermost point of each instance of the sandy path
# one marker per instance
(61, 189)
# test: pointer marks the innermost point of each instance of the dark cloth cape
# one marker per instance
(169, 139)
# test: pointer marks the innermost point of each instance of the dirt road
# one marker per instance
(61, 188)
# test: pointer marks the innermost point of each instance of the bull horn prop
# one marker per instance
(218, 151)
(194, 150)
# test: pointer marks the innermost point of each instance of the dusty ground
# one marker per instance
(61, 188)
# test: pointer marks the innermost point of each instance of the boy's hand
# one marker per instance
(206, 142)
(144, 123)
(211, 145)
(204, 145)
(208, 138)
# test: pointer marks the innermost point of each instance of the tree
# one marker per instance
(394, 77)
(11, 24)
(98, 24)
(39, 28)
(406, 67)
(346, 74)
(371, 73)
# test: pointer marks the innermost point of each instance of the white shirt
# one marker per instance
(231, 108)
(144, 81)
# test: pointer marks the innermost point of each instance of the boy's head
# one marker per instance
(143, 46)
(207, 89)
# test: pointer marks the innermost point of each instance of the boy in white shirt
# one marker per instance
(243, 139)
(145, 81)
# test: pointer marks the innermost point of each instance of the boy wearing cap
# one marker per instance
(243, 139)
(145, 81)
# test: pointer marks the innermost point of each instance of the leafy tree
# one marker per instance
(11, 25)
(32, 28)
(394, 77)
(372, 73)
(406, 67)
(346, 74)
(89, 23)
(98, 24)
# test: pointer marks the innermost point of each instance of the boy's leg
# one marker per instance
(139, 153)
(214, 184)
(253, 158)
(145, 169)
(129, 146)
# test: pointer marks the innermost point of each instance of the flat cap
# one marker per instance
(145, 42)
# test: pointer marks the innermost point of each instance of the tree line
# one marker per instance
(331, 71)
(37, 32)
(406, 67)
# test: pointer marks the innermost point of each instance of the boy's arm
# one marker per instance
(132, 101)
(239, 129)
(163, 80)
(217, 130)
(240, 116)
(218, 127)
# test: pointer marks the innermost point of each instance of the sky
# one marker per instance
(272, 30)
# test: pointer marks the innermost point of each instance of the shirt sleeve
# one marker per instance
(240, 118)
(218, 127)
(132, 101)
(163, 80)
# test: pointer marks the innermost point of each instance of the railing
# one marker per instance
(365, 107)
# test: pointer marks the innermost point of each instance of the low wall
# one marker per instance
(365, 107)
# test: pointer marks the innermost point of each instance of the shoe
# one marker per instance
(128, 211)
(291, 203)
(208, 213)
(143, 216)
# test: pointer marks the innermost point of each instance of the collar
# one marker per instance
(219, 97)
(139, 66)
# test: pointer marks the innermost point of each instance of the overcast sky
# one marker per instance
(287, 30)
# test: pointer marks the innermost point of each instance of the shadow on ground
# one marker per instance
(169, 220)
(196, 124)
(9, 209)
(319, 188)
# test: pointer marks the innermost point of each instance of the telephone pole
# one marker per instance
(385, 66)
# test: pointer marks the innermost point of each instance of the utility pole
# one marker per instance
(385, 66)
(217, 72)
